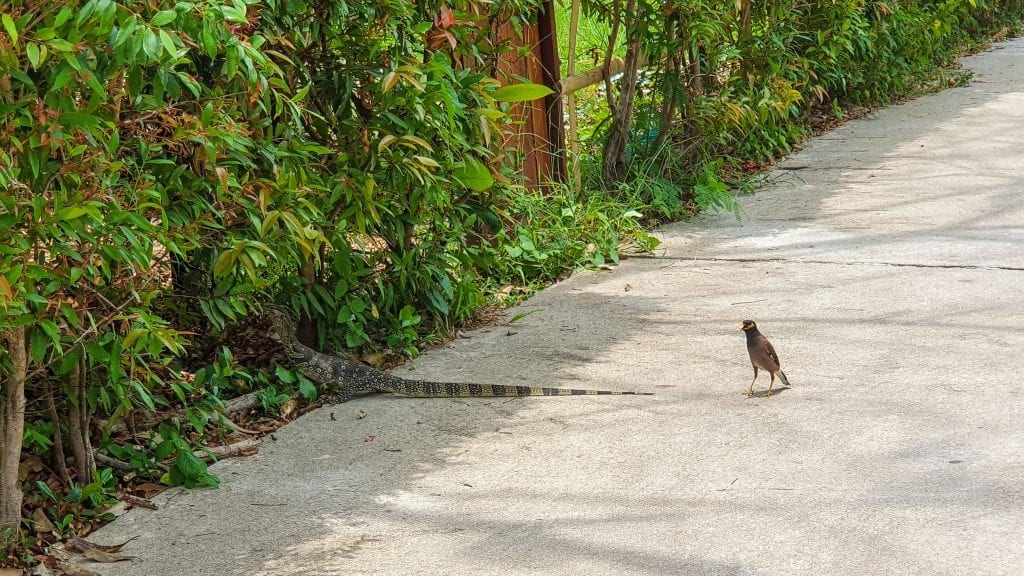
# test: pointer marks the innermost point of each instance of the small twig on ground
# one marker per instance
(229, 450)
(241, 403)
(104, 460)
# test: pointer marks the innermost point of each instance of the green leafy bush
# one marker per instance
(736, 81)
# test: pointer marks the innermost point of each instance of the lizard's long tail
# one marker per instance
(425, 389)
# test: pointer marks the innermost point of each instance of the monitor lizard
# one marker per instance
(344, 377)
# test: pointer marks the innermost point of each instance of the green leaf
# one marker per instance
(12, 30)
(135, 80)
(224, 263)
(163, 449)
(168, 43)
(69, 314)
(427, 161)
(163, 17)
(51, 329)
(61, 45)
(37, 346)
(32, 51)
(63, 16)
(85, 11)
(78, 120)
(46, 491)
(209, 43)
(151, 45)
(235, 14)
(521, 92)
(114, 369)
(307, 389)
(144, 395)
(70, 213)
(474, 175)
(357, 306)
(33, 297)
(189, 465)
(284, 374)
(20, 76)
(192, 471)
(62, 79)
(438, 302)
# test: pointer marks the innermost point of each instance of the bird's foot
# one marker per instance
(749, 393)
(768, 393)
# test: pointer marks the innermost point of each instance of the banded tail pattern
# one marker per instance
(424, 389)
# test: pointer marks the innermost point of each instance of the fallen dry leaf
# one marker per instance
(360, 414)
(375, 359)
(39, 570)
(289, 407)
(40, 523)
(11, 572)
(30, 465)
(149, 489)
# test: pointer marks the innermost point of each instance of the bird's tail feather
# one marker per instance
(782, 377)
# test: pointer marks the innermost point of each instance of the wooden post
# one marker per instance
(551, 68)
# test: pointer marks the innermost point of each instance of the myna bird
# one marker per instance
(762, 355)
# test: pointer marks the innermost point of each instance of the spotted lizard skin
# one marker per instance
(346, 378)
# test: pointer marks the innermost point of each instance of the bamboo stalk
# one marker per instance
(570, 100)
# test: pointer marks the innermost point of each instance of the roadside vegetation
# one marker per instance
(708, 92)
(165, 167)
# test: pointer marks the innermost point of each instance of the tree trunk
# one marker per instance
(746, 35)
(78, 425)
(58, 438)
(622, 112)
(306, 331)
(696, 72)
(12, 427)
(671, 93)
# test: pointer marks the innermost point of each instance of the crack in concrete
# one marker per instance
(838, 263)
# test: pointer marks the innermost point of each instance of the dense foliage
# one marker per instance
(165, 166)
(740, 80)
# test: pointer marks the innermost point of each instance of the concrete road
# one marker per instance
(886, 261)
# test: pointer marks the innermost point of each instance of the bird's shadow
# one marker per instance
(764, 393)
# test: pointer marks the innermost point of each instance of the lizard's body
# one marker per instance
(346, 378)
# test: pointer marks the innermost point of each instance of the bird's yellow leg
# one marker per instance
(770, 384)
(751, 391)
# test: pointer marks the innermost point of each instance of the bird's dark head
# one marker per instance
(748, 325)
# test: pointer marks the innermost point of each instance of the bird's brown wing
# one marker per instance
(771, 352)
(762, 355)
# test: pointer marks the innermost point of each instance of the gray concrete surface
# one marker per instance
(888, 272)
